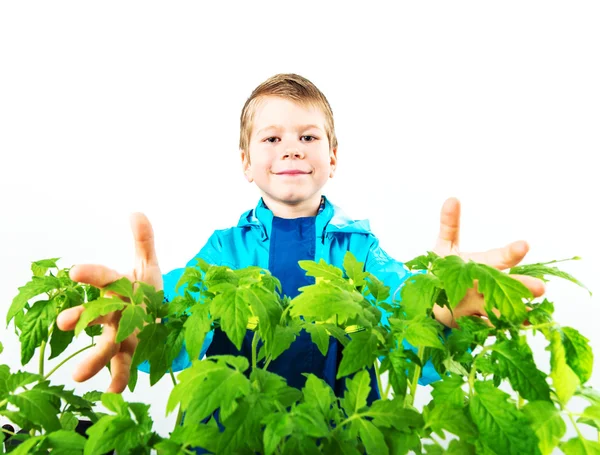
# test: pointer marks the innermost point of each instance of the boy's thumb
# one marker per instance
(143, 236)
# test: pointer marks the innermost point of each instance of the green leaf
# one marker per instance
(64, 442)
(355, 270)
(502, 292)
(19, 379)
(114, 402)
(475, 327)
(579, 353)
(501, 426)
(152, 346)
(220, 278)
(37, 285)
(111, 432)
(419, 294)
(122, 287)
(35, 328)
(423, 331)
(25, 447)
(372, 438)
(578, 446)
(515, 362)
(207, 386)
(197, 435)
(541, 270)
(321, 270)
(154, 300)
(132, 318)
(310, 421)
(68, 421)
(265, 306)
(278, 426)
(319, 336)
(326, 302)
(283, 339)
(39, 268)
(59, 341)
(397, 365)
(197, 325)
(456, 275)
(591, 416)
(38, 408)
(564, 380)
(377, 289)
(547, 423)
(423, 262)
(460, 448)
(100, 307)
(445, 416)
(449, 390)
(318, 393)
(358, 388)
(191, 278)
(361, 352)
(234, 312)
(391, 413)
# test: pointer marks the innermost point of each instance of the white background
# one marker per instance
(113, 107)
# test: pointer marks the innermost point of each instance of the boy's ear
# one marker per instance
(332, 162)
(246, 166)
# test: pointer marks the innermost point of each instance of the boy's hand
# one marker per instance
(500, 258)
(119, 354)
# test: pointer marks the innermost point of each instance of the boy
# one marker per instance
(289, 149)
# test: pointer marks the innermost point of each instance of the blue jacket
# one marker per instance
(248, 244)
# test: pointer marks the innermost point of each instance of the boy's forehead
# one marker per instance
(280, 113)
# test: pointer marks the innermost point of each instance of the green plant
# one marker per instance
(262, 414)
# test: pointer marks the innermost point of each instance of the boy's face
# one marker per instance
(290, 159)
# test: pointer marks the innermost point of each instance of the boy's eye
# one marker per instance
(273, 139)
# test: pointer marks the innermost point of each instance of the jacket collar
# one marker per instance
(330, 220)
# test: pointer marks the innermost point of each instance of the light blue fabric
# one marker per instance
(247, 244)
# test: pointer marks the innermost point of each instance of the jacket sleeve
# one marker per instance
(210, 252)
(393, 274)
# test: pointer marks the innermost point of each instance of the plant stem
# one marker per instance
(8, 432)
(42, 349)
(575, 426)
(172, 376)
(267, 363)
(348, 420)
(66, 360)
(376, 364)
(410, 399)
(254, 346)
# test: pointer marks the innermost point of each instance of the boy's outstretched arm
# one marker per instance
(145, 269)
(501, 258)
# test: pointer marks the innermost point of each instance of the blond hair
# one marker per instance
(293, 87)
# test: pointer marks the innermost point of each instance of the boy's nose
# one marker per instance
(293, 152)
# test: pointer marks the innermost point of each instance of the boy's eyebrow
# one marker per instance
(280, 127)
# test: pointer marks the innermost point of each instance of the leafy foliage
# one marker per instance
(492, 396)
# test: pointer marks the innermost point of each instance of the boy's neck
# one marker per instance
(290, 211)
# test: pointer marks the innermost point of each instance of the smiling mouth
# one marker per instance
(293, 173)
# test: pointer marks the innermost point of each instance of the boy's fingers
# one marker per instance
(96, 275)
(143, 235)
(535, 285)
(501, 258)
(119, 370)
(104, 350)
(67, 319)
(449, 236)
